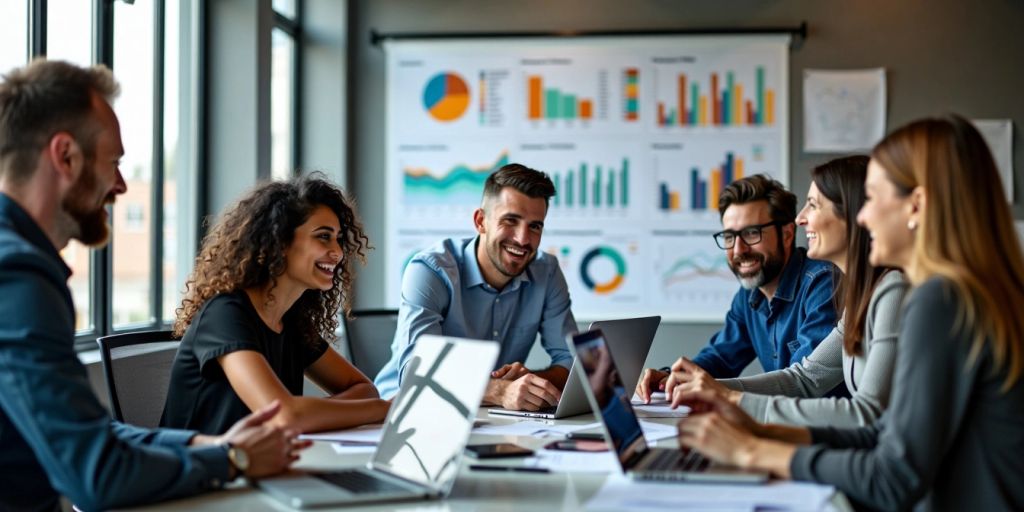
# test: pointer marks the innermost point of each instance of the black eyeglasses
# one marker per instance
(751, 235)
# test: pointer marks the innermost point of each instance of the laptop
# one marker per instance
(607, 394)
(424, 434)
(631, 337)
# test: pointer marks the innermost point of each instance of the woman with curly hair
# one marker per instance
(260, 308)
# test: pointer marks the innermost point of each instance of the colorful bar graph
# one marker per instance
(599, 187)
(553, 103)
(631, 94)
(703, 191)
(725, 105)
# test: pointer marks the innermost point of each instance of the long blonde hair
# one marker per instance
(966, 233)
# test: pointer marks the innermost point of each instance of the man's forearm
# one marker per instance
(495, 392)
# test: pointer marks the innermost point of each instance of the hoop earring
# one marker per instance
(912, 225)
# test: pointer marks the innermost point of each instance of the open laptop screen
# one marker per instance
(608, 395)
(429, 423)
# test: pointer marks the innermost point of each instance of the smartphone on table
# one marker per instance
(497, 450)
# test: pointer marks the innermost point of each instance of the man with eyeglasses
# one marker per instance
(784, 306)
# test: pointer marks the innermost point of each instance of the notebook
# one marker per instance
(608, 396)
(424, 434)
(631, 337)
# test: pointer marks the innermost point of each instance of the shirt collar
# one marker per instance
(787, 283)
(25, 225)
(473, 276)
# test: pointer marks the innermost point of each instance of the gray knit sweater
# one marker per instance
(953, 438)
(791, 396)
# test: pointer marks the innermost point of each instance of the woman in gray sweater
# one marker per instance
(860, 351)
(953, 436)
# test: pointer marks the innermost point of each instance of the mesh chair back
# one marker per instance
(369, 334)
(137, 367)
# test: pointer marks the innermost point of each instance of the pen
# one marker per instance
(518, 469)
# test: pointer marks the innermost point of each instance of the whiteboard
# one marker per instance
(639, 135)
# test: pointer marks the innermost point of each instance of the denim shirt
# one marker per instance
(444, 292)
(55, 437)
(778, 332)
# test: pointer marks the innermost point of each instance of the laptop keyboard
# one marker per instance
(359, 482)
(674, 460)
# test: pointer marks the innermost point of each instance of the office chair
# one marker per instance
(137, 368)
(369, 334)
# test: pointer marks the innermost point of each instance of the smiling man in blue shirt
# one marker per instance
(60, 146)
(493, 286)
(784, 307)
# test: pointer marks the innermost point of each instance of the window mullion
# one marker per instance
(36, 28)
(157, 188)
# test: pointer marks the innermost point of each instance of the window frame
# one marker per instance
(101, 260)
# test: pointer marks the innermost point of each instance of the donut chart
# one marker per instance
(617, 260)
(446, 97)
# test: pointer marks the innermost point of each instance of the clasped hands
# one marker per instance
(514, 387)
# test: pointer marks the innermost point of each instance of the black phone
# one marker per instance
(587, 436)
(497, 450)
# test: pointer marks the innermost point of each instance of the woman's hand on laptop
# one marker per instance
(688, 377)
(652, 380)
(723, 432)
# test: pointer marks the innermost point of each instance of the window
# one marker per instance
(283, 78)
(282, 90)
(69, 31)
(131, 243)
(14, 36)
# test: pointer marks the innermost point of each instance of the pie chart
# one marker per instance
(446, 97)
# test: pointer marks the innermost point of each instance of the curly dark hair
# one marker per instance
(246, 249)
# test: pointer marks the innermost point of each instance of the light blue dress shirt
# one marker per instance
(444, 292)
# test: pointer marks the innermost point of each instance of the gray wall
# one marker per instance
(941, 56)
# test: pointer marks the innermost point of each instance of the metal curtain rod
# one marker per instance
(799, 33)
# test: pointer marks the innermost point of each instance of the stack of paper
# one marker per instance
(621, 493)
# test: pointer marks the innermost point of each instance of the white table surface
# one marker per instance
(473, 490)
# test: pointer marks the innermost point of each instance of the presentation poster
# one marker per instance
(638, 134)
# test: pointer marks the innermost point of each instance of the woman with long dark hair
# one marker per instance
(953, 434)
(860, 352)
(261, 307)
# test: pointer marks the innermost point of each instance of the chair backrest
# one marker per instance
(137, 367)
(369, 334)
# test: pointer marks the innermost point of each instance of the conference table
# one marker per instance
(473, 490)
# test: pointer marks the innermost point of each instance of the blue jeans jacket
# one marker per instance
(779, 332)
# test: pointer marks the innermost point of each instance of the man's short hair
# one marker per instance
(45, 98)
(760, 187)
(527, 181)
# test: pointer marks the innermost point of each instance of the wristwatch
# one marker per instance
(238, 459)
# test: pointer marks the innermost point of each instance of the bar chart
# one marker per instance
(704, 189)
(631, 94)
(552, 103)
(592, 186)
(721, 99)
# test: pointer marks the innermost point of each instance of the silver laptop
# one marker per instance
(424, 435)
(631, 337)
(621, 427)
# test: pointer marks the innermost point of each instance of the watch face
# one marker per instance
(239, 459)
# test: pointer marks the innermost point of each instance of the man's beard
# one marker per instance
(494, 253)
(86, 220)
(770, 268)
